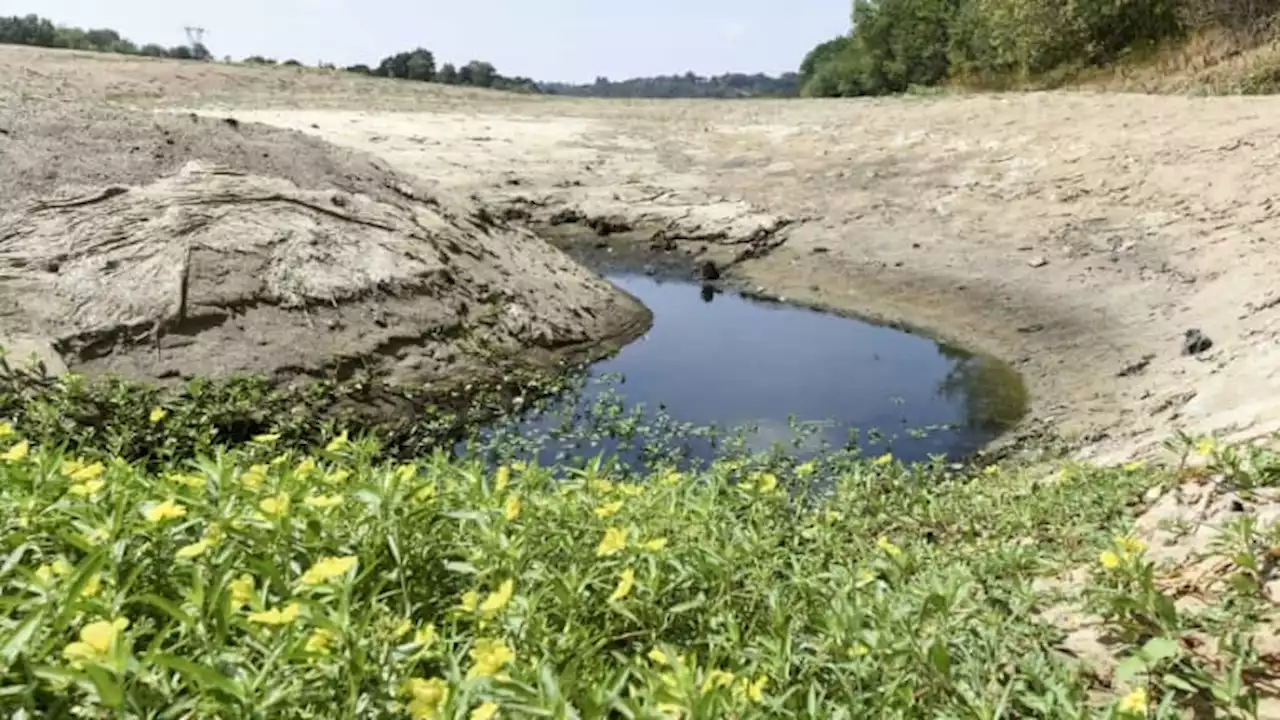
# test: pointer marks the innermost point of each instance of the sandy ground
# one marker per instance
(1078, 236)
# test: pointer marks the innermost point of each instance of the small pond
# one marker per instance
(807, 380)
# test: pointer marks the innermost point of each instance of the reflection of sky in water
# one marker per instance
(733, 361)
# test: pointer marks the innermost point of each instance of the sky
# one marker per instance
(549, 40)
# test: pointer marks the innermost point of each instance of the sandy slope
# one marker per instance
(1078, 236)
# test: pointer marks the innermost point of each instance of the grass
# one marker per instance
(277, 578)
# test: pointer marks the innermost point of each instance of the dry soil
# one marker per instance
(1078, 236)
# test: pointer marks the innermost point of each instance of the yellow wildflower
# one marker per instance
(17, 453)
(337, 477)
(609, 510)
(338, 444)
(84, 473)
(487, 711)
(424, 493)
(195, 482)
(498, 600)
(241, 591)
(158, 414)
(277, 616)
(884, 459)
(671, 478)
(56, 569)
(753, 690)
(888, 547)
(1109, 559)
(319, 642)
(614, 541)
(659, 657)
(323, 502)
(88, 488)
(859, 650)
(194, 550)
(470, 601)
(766, 483)
(305, 467)
(655, 545)
(429, 696)
(602, 487)
(275, 505)
(402, 629)
(501, 479)
(327, 569)
(6, 429)
(631, 489)
(1131, 545)
(1135, 703)
(488, 657)
(266, 438)
(425, 636)
(1205, 447)
(717, 679)
(252, 480)
(626, 582)
(1134, 466)
(167, 510)
(96, 641)
(405, 473)
(92, 586)
(513, 507)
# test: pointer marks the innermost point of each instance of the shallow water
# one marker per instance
(725, 360)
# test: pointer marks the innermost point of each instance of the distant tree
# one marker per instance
(153, 50)
(361, 69)
(419, 64)
(448, 74)
(181, 52)
(291, 63)
(259, 60)
(478, 73)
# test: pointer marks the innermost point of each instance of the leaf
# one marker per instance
(462, 568)
(1130, 668)
(687, 606)
(1160, 648)
(18, 641)
(1178, 683)
(165, 606)
(109, 690)
(199, 674)
(940, 657)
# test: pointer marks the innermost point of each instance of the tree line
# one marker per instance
(689, 85)
(895, 45)
(41, 32)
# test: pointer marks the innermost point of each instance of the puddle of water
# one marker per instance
(727, 361)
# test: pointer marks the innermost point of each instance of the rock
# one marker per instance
(1038, 261)
(1195, 342)
(708, 271)
(1136, 368)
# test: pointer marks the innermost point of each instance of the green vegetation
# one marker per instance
(158, 564)
(896, 45)
(689, 85)
(41, 32)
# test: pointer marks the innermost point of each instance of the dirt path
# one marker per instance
(1078, 236)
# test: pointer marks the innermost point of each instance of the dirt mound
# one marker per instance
(275, 255)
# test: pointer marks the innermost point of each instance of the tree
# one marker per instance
(448, 74)
(478, 73)
(417, 65)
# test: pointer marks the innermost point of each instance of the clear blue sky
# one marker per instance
(570, 40)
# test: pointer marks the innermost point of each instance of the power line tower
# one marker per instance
(195, 35)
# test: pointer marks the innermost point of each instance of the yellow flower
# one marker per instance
(402, 629)
(753, 691)
(489, 656)
(626, 582)
(1135, 703)
(405, 473)
(1135, 466)
(487, 711)
(241, 591)
(92, 587)
(659, 657)
(96, 536)
(337, 444)
(277, 616)
(96, 641)
(655, 545)
(194, 550)
(991, 470)
(1109, 559)
(85, 473)
(6, 429)
(266, 438)
(428, 697)
(609, 510)
(859, 650)
(337, 477)
(86, 489)
(58, 568)
(1131, 545)
(512, 510)
(884, 459)
(319, 642)
(631, 489)
(323, 502)
(766, 483)
(498, 600)
(425, 636)
(158, 414)
(305, 467)
(1205, 447)
(470, 600)
(806, 469)
(252, 480)
(424, 493)
(602, 487)
(167, 510)
(671, 478)
(501, 479)
(327, 569)
(888, 547)
(17, 453)
(717, 679)
(275, 505)
(614, 541)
